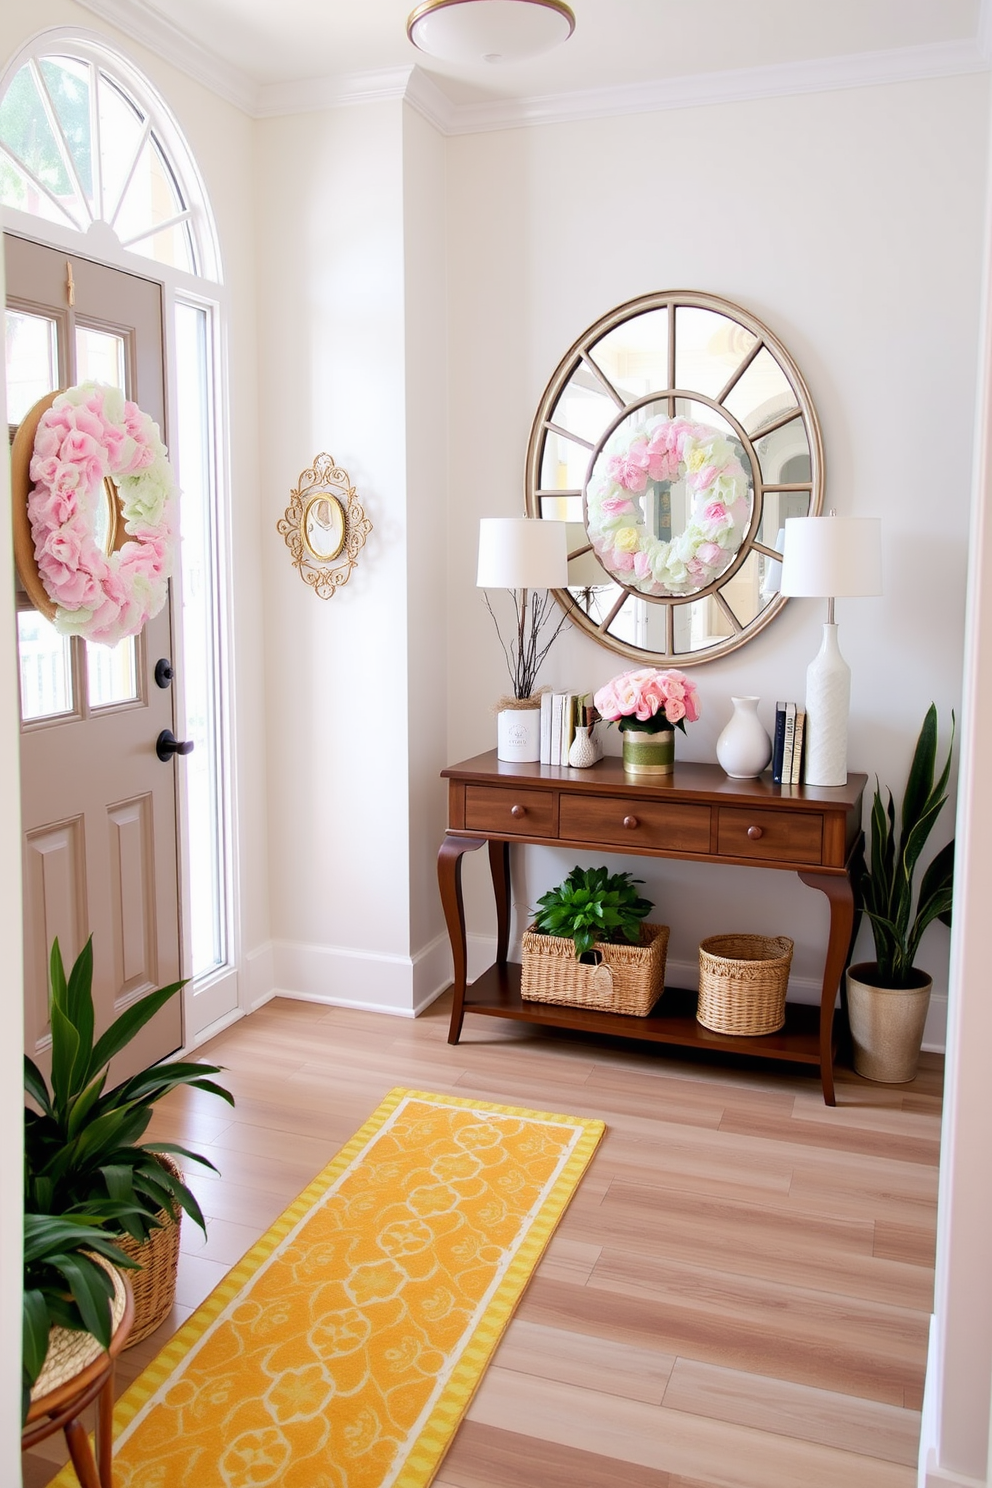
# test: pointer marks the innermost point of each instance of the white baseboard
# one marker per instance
(932, 1476)
(344, 976)
(212, 1030)
(259, 978)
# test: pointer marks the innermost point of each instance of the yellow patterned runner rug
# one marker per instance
(344, 1349)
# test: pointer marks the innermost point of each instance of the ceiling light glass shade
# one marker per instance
(489, 30)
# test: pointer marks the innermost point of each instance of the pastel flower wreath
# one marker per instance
(91, 432)
(658, 451)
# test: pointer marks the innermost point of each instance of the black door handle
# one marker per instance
(164, 672)
(166, 745)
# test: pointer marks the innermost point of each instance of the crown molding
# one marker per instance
(311, 95)
(860, 70)
(829, 74)
(147, 26)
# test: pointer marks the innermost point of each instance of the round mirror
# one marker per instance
(675, 438)
(323, 527)
(105, 533)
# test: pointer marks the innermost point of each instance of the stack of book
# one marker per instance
(561, 713)
(787, 748)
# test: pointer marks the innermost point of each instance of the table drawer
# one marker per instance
(497, 809)
(621, 822)
(786, 836)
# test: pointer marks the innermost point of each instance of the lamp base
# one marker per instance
(828, 703)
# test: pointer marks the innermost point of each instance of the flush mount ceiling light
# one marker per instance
(489, 30)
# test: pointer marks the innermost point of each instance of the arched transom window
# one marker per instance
(82, 144)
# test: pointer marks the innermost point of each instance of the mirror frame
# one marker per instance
(582, 354)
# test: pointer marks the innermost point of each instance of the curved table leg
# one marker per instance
(82, 1457)
(499, 867)
(449, 877)
(840, 894)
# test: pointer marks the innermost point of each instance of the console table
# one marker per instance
(698, 815)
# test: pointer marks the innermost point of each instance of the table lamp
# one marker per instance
(523, 554)
(830, 558)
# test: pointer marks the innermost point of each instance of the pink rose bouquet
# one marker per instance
(649, 700)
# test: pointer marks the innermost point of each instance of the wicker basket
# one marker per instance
(742, 983)
(626, 979)
(154, 1286)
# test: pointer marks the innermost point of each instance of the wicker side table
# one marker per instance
(77, 1379)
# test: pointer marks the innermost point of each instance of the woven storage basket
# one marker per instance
(628, 978)
(742, 983)
(154, 1286)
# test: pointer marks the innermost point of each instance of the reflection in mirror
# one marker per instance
(105, 521)
(323, 527)
(604, 451)
(668, 502)
(634, 355)
(763, 393)
(709, 349)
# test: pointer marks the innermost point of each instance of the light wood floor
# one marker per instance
(737, 1297)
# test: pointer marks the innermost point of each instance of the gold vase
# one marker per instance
(648, 756)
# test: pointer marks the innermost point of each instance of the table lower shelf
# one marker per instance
(672, 1020)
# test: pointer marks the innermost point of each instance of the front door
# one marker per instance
(98, 807)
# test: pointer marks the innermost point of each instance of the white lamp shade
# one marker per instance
(469, 31)
(831, 557)
(522, 553)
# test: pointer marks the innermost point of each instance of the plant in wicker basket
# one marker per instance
(593, 905)
(64, 1286)
(84, 1159)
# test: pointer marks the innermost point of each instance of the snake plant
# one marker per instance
(885, 884)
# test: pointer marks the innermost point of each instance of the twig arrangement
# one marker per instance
(534, 612)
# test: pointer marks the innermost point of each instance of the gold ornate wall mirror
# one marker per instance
(675, 438)
(324, 526)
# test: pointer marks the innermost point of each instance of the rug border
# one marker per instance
(438, 1431)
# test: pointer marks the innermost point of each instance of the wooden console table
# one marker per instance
(700, 815)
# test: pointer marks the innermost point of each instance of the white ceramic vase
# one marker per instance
(585, 750)
(518, 734)
(744, 748)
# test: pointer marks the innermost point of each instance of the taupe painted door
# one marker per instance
(98, 807)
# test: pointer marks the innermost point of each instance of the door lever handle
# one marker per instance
(166, 745)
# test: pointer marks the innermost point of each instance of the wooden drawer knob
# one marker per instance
(518, 811)
(631, 822)
(755, 832)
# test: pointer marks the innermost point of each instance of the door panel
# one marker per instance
(98, 807)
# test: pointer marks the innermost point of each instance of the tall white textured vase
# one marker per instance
(828, 703)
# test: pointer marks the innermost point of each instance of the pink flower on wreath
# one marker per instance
(630, 470)
(617, 505)
(91, 432)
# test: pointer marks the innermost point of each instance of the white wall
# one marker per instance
(351, 312)
(850, 223)
(427, 387)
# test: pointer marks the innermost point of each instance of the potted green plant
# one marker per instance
(83, 1150)
(591, 946)
(888, 998)
(65, 1286)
